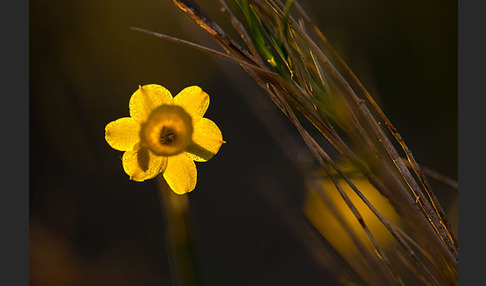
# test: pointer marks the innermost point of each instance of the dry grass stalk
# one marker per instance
(300, 74)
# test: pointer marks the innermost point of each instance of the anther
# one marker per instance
(166, 136)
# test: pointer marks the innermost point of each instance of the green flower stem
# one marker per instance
(175, 212)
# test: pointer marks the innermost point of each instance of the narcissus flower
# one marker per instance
(165, 134)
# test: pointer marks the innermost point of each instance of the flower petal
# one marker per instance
(181, 174)
(207, 139)
(146, 99)
(142, 164)
(123, 134)
(194, 101)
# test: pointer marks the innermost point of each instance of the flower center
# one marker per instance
(168, 130)
(167, 135)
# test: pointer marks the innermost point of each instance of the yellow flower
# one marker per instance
(323, 217)
(165, 134)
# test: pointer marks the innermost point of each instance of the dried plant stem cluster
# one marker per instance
(292, 61)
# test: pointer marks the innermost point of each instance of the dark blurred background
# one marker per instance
(91, 225)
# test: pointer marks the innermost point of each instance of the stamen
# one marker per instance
(167, 135)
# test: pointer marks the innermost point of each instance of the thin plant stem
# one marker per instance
(175, 212)
(436, 176)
